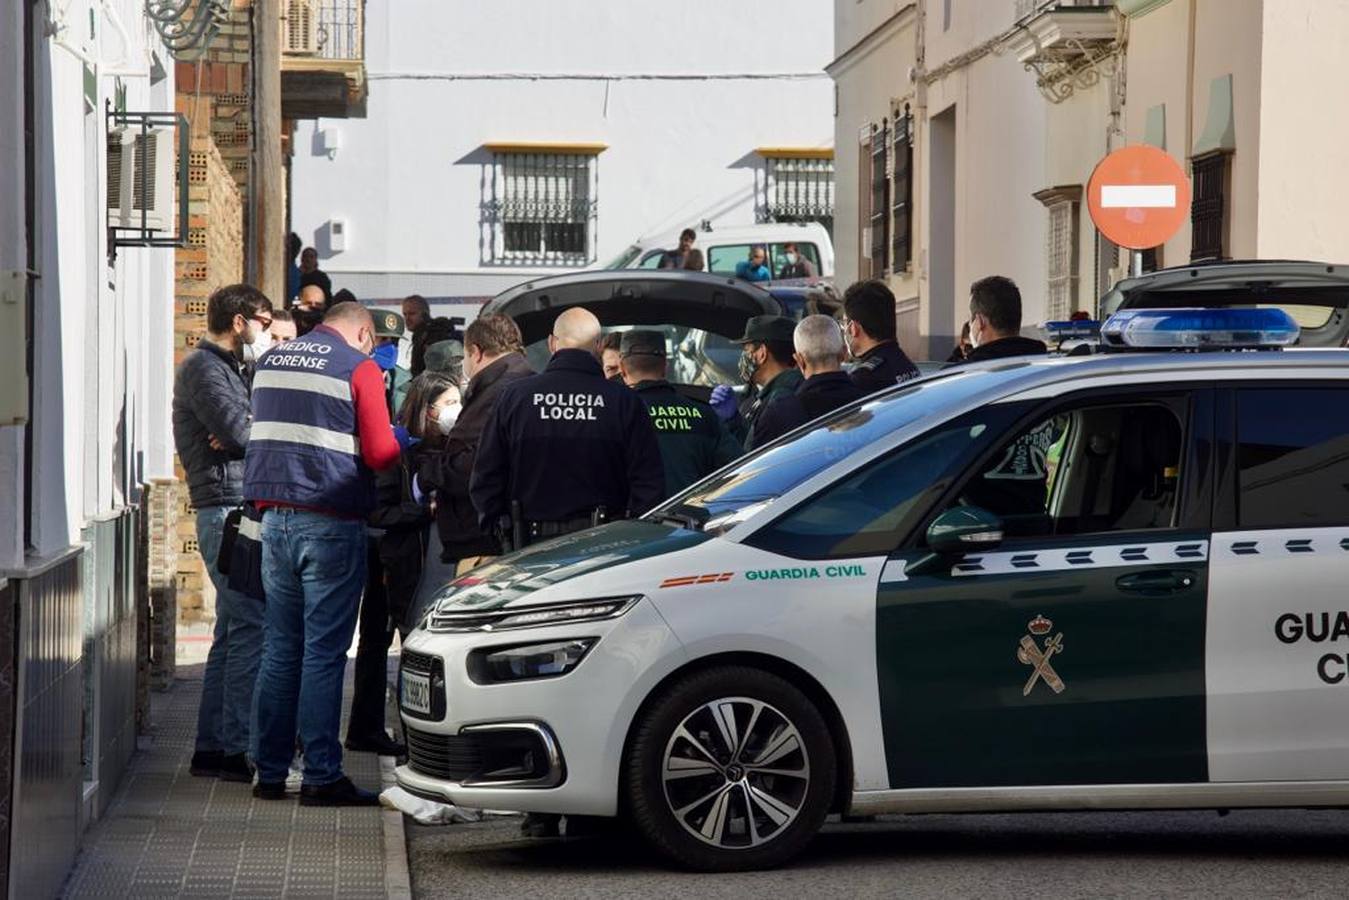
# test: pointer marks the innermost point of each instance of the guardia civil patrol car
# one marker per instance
(1107, 581)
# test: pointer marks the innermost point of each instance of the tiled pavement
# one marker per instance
(168, 834)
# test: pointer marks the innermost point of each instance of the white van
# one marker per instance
(725, 246)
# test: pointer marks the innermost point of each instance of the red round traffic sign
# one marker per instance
(1138, 196)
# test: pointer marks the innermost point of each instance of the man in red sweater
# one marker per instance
(320, 431)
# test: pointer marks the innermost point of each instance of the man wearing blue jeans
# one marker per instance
(320, 431)
(211, 417)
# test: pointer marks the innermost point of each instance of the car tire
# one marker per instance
(713, 807)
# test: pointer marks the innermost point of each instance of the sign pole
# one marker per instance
(1135, 263)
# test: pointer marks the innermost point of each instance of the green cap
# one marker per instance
(768, 328)
(387, 323)
(642, 343)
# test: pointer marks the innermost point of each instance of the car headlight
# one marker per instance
(553, 659)
(447, 618)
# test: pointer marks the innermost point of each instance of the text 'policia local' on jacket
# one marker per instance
(446, 468)
(565, 442)
(320, 427)
(693, 441)
(210, 399)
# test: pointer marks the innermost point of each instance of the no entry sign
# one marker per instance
(1138, 196)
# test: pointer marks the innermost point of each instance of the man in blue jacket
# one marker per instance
(211, 417)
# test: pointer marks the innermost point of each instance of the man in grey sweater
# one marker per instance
(211, 416)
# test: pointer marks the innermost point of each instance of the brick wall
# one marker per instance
(213, 258)
(213, 93)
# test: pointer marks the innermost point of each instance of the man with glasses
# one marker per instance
(869, 329)
(211, 422)
(819, 349)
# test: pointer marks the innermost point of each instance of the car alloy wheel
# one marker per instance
(736, 772)
(730, 768)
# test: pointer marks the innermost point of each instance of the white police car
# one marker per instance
(1109, 581)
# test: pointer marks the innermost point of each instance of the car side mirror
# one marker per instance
(960, 530)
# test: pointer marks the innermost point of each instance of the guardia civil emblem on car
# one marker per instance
(1037, 657)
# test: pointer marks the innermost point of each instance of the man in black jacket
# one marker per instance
(492, 360)
(995, 323)
(870, 331)
(819, 354)
(693, 441)
(211, 418)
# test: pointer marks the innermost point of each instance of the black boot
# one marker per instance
(206, 763)
(379, 743)
(265, 790)
(235, 768)
(339, 793)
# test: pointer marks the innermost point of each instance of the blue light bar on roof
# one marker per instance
(1200, 329)
(1083, 329)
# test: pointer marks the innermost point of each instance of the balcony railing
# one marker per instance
(1025, 8)
(324, 29)
(341, 29)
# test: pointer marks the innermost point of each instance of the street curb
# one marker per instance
(397, 879)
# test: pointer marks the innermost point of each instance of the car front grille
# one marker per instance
(515, 755)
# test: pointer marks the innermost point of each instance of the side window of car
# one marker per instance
(1293, 457)
(778, 259)
(651, 260)
(1108, 467)
(870, 511)
(723, 259)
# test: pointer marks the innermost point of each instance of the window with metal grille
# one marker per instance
(544, 208)
(901, 188)
(880, 200)
(1208, 211)
(1061, 256)
(800, 189)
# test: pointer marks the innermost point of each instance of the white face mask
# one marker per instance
(791, 258)
(447, 416)
(262, 342)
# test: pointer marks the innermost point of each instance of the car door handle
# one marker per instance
(1158, 582)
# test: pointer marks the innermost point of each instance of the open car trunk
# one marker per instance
(700, 315)
(1315, 294)
(636, 298)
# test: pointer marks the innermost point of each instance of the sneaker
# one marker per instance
(274, 790)
(339, 793)
(377, 743)
(235, 768)
(206, 763)
(541, 825)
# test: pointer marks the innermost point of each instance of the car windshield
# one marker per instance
(732, 495)
(624, 259)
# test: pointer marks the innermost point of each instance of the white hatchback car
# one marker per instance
(1110, 581)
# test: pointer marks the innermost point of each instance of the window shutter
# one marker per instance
(902, 189)
(880, 201)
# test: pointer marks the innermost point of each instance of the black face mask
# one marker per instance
(306, 319)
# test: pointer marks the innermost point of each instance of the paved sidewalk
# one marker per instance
(168, 834)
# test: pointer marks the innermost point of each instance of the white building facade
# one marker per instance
(86, 347)
(517, 138)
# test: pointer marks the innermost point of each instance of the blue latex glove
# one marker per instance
(405, 439)
(723, 402)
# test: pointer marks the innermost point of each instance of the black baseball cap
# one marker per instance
(768, 328)
(642, 343)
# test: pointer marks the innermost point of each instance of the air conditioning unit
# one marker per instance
(141, 167)
(300, 28)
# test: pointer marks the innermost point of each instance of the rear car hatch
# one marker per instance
(635, 297)
(1315, 294)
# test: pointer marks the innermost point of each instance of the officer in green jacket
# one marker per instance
(767, 364)
(693, 441)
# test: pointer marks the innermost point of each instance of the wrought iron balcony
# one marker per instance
(1069, 44)
(323, 59)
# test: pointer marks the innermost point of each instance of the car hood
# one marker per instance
(533, 572)
(712, 303)
(1316, 294)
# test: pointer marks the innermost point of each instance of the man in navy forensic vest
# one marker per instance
(320, 431)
